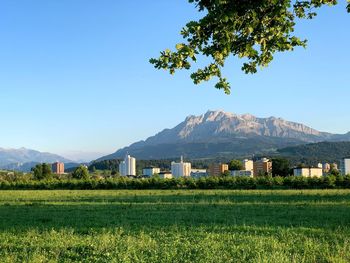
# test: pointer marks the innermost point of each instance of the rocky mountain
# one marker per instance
(19, 157)
(218, 133)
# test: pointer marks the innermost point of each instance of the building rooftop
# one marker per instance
(308, 167)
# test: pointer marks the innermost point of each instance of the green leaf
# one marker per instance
(237, 28)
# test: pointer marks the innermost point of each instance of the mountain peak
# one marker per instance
(248, 116)
(24, 155)
(217, 132)
(214, 122)
(211, 115)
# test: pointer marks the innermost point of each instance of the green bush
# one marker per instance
(263, 182)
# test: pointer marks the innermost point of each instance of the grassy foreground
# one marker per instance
(175, 226)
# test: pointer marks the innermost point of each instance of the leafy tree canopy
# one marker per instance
(42, 171)
(281, 167)
(81, 172)
(226, 174)
(235, 165)
(250, 29)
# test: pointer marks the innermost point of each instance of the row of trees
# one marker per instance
(263, 182)
(43, 171)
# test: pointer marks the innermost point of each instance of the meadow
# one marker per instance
(175, 226)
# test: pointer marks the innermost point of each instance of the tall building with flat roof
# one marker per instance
(262, 167)
(344, 166)
(180, 169)
(57, 168)
(217, 169)
(128, 166)
(248, 166)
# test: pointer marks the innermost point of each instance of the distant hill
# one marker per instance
(12, 158)
(322, 151)
(27, 167)
(219, 133)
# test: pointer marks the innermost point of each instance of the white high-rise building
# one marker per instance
(344, 166)
(128, 166)
(180, 169)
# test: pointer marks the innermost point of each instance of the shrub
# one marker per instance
(264, 182)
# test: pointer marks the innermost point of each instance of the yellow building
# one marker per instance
(165, 175)
(248, 166)
(308, 172)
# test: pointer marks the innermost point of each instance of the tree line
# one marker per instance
(239, 182)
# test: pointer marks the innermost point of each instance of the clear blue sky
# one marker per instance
(74, 75)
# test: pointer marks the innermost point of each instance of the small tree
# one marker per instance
(226, 174)
(281, 167)
(334, 171)
(81, 172)
(235, 165)
(42, 171)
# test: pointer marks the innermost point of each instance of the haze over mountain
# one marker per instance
(218, 133)
(19, 157)
(82, 156)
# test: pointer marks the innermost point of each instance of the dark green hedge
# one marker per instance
(291, 182)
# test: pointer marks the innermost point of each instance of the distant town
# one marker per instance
(246, 167)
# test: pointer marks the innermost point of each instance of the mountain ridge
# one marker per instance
(13, 157)
(237, 134)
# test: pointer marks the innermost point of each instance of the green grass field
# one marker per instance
(175, 226)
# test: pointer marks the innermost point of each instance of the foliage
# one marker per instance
(253, 30)
(334, 171)
(175, 226)
(226, 173)
(81, 172)
(42, 171)
(112, 165)
(313, 153)
(12, 176)
(224, 182)
(164, 164)
(235, 165)
(281, 167)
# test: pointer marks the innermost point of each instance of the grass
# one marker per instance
(175, 226)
